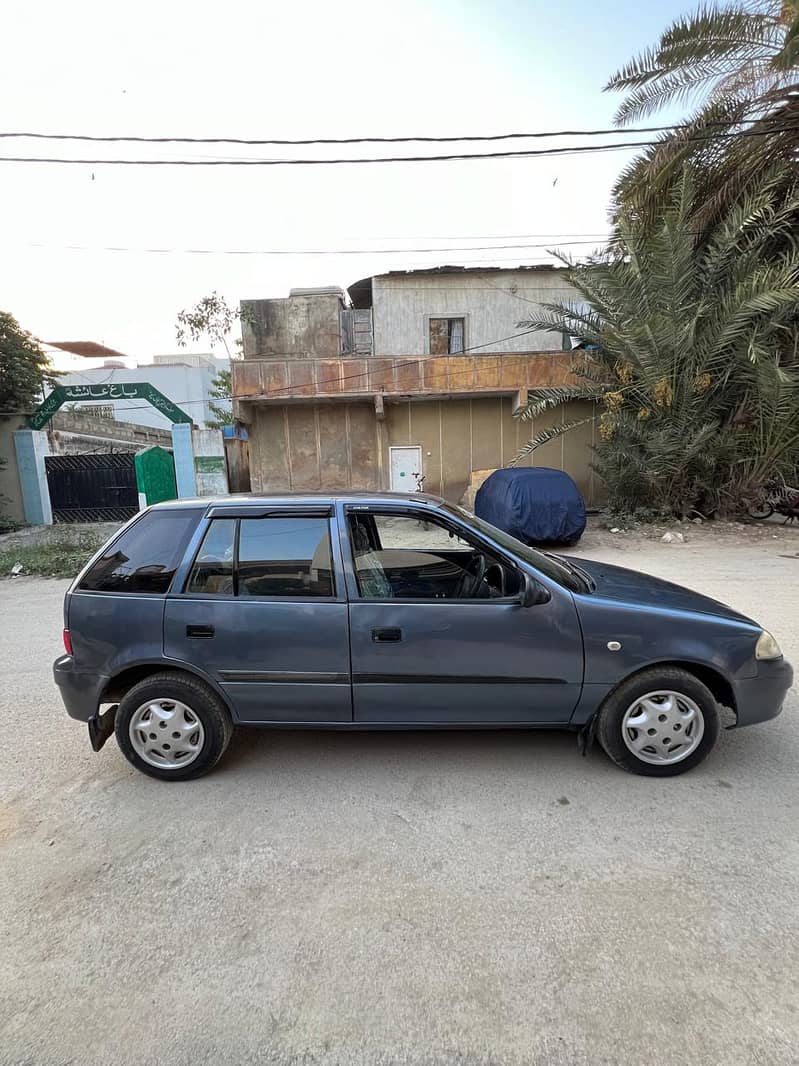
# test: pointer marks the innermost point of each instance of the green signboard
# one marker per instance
(209, 464)
(128, 390)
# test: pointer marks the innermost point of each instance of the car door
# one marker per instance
(426, 652)
(261, 609)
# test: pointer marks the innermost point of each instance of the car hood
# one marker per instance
(632, 588)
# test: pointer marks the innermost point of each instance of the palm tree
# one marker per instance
(740, 64)
(691, 354)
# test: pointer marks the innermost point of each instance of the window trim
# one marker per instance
(427, 345)
(204, 527)
(406, 511)
(220, 514)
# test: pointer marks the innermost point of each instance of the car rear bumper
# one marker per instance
(760, 698)
(80, 692)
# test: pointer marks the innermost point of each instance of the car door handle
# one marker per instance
(385, 636)
(199, 631)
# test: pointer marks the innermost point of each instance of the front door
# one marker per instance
(406, 467)
(438, 634)
(263, 612)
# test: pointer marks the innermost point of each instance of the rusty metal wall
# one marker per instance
(305, 447)
(458, 436)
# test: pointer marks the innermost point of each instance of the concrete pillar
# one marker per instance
(184, 460)
(210, 474)
(31, 446)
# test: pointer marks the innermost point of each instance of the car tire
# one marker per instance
(672, 704)
(164, 706)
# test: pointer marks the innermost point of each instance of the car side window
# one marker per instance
(285, 557)
(276, 556)
(212, 572)
(144, 558)
(401, 556)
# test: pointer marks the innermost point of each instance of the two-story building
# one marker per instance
(408, 373)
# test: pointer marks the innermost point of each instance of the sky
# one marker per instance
(263, 69)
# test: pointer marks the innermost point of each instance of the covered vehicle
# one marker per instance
(536, 505)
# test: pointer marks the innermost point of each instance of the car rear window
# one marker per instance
(145, 557)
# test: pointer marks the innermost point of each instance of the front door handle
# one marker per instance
(385, 636)
(199, 631)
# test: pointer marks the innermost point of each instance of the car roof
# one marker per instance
(292, 498)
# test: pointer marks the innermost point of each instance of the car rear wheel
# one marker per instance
(172, 727)
(660, 723)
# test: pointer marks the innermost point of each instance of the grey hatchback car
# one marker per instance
(383, 611)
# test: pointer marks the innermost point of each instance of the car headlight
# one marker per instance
(767, 647)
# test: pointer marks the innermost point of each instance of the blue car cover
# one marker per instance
(536, 505)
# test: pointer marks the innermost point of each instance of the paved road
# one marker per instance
(424, 899)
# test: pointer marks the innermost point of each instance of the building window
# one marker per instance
(447, 336)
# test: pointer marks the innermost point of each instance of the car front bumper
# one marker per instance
(760, 698)
(80, 692)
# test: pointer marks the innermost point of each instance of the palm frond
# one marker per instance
(678, 86)
(696, 54)
(546, 435)
(547, 399)
(740, 62)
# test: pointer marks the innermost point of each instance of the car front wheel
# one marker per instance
(172, 727)
(660, 723)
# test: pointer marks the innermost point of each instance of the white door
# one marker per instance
(405, 463)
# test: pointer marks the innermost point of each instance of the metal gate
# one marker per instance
(92, 488)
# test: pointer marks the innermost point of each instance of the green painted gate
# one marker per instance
(155, 476)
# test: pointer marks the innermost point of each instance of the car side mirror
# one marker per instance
(533, 593)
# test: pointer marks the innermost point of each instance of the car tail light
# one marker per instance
(67, 642)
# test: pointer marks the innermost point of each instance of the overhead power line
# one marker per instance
(311, 251)
(344, 161)
(420, 138)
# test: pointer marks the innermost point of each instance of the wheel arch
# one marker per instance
(123, 681)
(720, 687)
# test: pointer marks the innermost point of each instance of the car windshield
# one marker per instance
(549, 565)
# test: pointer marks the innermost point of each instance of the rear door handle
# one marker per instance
(199, 631)
(384, 636)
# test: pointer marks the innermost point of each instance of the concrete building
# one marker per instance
(407, 374)
(184, 379)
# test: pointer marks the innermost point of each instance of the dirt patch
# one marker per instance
(601, 532)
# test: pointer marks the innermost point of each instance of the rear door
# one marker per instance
(262, 610)
(439, 635)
